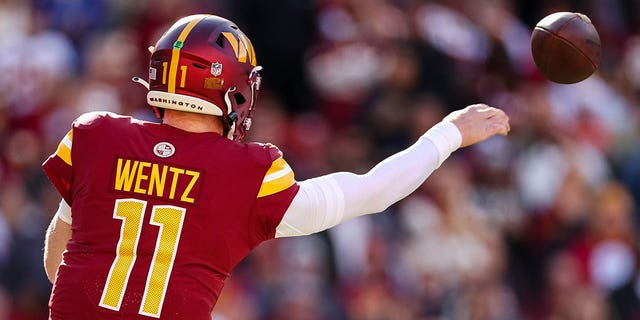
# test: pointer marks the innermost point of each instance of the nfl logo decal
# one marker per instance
(216, 69)
(164, 149)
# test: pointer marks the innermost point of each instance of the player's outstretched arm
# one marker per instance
(326, 201)
(56, 238)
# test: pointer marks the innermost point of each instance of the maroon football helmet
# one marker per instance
(205, 64)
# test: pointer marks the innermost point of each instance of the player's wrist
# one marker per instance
(446, 137)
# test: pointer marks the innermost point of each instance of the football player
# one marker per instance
(154, 217)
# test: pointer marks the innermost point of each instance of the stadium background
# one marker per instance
(539, 225)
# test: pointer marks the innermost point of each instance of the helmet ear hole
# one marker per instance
(239, 98)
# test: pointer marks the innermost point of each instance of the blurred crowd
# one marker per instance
(542, 224)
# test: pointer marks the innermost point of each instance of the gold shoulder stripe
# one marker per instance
(64, 148)
(277, 165)
(278, 177)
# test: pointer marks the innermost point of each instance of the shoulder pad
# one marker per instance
(94, 118)
(274, 152)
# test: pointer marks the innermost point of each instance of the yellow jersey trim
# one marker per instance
(64, 148)
(279, 177)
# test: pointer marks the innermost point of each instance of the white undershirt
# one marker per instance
(326, 201)
(64, 212)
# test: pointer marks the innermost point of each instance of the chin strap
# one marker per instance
(230, 120)
(230, 132)
(159, 112)
(141, 81)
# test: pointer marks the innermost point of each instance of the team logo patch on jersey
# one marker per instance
(216, 69)
(164, 149)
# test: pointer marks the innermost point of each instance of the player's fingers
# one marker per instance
(492, 112)
(499, 115)
(505, 130)
(479, 108)
(500, 124)
(500, 128)
(483, 108)
(504, 118)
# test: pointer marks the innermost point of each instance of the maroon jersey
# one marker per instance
(160, 216)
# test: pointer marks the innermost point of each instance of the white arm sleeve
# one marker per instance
(64, 212)
(326, 201)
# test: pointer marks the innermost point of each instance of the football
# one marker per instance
(566, 47)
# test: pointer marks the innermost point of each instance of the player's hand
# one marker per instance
(478, 122)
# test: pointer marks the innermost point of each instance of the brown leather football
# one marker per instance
(566, 47)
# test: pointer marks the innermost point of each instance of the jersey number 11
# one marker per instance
(170, 220)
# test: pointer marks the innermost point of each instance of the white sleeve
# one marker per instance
(64, 212)
(326, 201)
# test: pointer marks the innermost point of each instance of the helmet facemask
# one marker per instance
(241, 114)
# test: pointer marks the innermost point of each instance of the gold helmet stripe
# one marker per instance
(233, 41)
(241, 47)
(175, 54)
